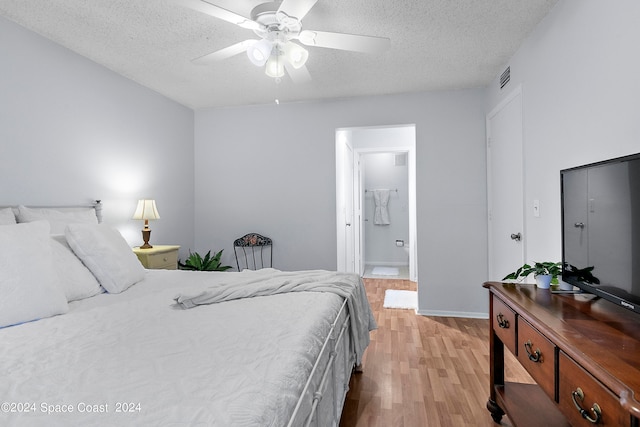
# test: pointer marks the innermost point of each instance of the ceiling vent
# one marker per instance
(505, 77)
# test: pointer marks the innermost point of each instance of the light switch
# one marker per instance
(536, 208)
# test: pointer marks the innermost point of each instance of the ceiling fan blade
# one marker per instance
(296, 8)
(298, 75)
(221, 13)
(366, 44)
(225, 53)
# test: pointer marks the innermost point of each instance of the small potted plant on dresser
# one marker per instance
(545, 273)
(195, 261)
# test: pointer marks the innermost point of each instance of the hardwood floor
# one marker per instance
(422, 371)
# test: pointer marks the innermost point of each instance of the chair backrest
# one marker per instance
(253, 251)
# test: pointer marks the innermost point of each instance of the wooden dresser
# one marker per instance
(583, 352)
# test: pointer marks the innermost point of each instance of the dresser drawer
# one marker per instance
(504, 323)
(159, 257)
(574, 379)
(537, 354)
(167, 260)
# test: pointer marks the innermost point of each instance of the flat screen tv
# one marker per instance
(601, 229)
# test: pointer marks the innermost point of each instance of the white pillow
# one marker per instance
(7, 216)
(76, 280)
(28, 282)
(105, 252)
(57, 219)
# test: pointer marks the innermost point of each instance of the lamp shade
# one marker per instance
(259, 52)
(146, 210)
(297, 55)
(275, 67)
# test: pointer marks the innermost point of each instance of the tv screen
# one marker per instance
(601, 229)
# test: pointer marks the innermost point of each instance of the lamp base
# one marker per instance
(146, 235)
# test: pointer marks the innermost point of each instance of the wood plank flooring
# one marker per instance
(422, 371)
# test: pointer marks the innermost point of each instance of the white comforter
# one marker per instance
(273, 282)
(136, 359)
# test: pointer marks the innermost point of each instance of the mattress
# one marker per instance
(136, 358)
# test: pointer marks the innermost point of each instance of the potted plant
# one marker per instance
(195, 261)
(545, 273)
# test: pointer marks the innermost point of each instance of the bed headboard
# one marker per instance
(96, 205)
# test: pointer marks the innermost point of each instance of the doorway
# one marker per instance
(386, 216)
(381, 157)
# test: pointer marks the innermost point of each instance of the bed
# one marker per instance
(91, 338)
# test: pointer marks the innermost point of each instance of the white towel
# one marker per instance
(381, 200)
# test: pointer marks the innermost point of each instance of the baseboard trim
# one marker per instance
(442, 313)
(386, 264)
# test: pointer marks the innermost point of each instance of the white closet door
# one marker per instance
(505, 187)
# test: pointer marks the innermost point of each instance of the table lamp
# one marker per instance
(146, 210)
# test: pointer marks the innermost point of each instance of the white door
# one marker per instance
(344, 205)
(505, 187)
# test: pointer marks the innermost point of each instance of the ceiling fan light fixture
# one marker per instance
(296, 55)
(277, 23)
(259, 52)
(275, 67)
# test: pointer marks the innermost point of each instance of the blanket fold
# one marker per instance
(271, 282)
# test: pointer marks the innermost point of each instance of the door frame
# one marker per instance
(343, 134)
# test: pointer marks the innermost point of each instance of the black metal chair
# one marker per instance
(253, 251)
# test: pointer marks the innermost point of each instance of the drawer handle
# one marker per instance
(502, 322)
(535, 356)
(578, 394)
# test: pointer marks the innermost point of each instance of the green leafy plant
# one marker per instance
(554, 269)
(195, 261)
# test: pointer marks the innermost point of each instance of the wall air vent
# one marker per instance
(505, 77)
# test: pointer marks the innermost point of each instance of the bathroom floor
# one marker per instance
(386, 272)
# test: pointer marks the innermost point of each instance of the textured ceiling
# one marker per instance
(435, 45)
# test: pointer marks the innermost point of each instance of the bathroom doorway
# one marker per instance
(375, 201)
(385, 236)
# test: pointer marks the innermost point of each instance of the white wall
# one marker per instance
(72, 131)
(579, 72)
(271, 169)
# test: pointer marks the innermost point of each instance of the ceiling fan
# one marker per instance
(278, 24)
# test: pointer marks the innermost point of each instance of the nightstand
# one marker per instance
(164, 257)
